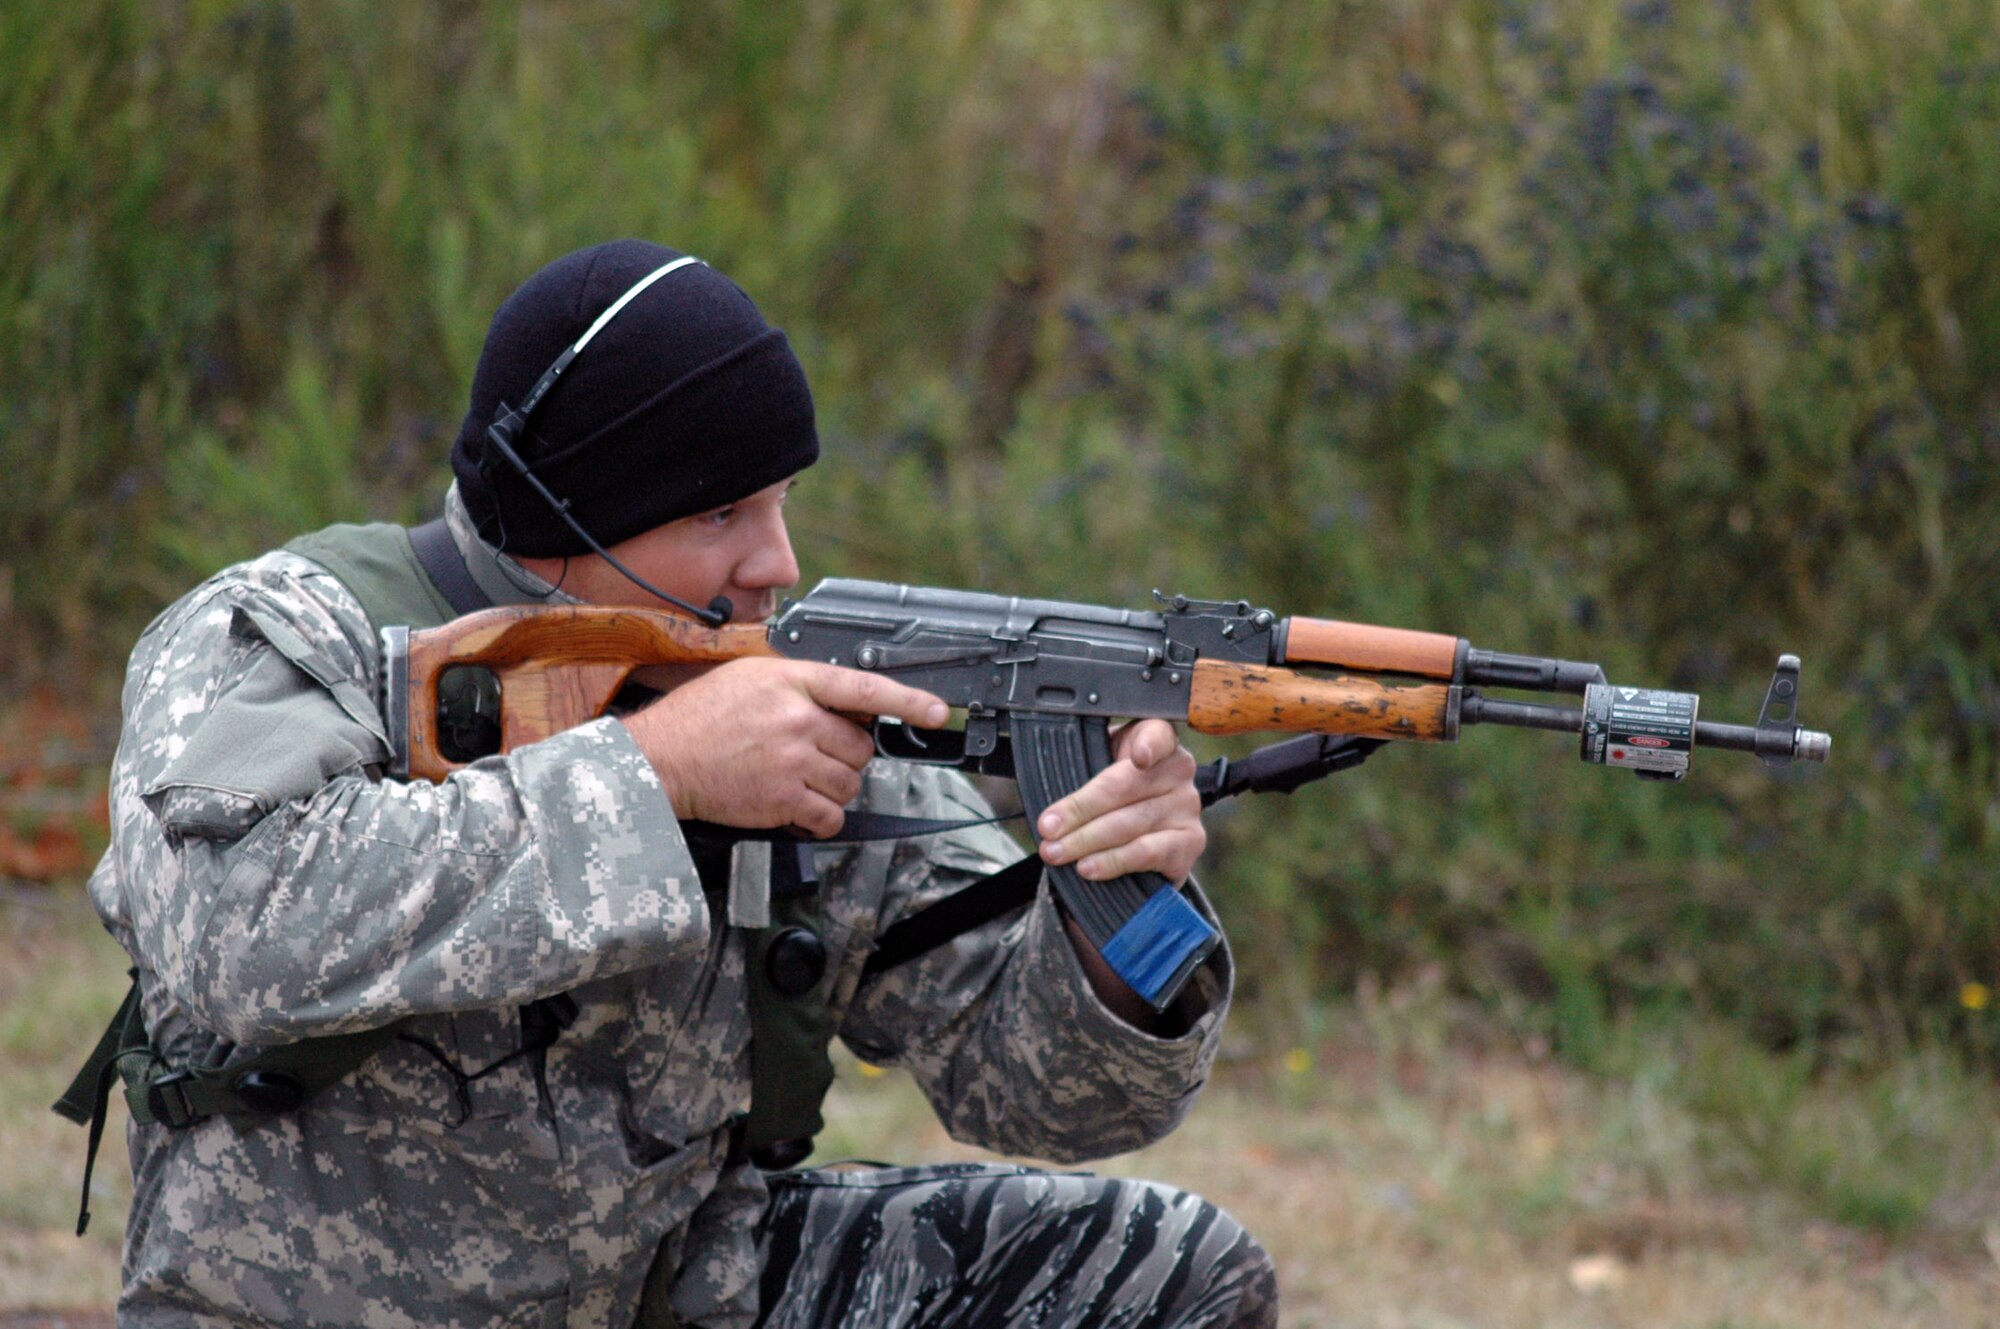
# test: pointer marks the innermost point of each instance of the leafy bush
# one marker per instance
(1665, 336)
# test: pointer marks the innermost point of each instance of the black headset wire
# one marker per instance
(500, 436)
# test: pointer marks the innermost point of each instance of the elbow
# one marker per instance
(1064, 1147)
(227, 998)
(1068, 1131)
(245, 1025)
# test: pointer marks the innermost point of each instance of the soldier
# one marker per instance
(480, 1052)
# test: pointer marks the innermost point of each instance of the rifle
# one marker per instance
(1040, 680)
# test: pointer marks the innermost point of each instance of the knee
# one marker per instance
(1242, 1279)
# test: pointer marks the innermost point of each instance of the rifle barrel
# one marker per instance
(1783, 743)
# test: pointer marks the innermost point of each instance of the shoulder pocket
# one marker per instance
(288, 725)
(288, 643)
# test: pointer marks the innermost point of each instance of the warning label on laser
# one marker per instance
(1641, 729)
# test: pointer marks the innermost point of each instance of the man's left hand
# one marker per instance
(1139, 814)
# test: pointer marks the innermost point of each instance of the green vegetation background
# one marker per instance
(1666, 335)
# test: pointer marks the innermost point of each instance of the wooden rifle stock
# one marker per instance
(559, 666)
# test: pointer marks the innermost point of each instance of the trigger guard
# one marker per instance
(930, 747)
(979, 747)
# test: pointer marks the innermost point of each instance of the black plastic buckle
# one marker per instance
(171, 1110)
(795, 961)
(269, 1092)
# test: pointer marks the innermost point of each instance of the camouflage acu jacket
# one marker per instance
(269, 886)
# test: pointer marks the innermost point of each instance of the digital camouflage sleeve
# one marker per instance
(270, 886)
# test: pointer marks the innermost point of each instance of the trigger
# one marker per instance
(932, 747)
(979, 747)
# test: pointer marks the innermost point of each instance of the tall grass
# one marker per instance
(1660, 334)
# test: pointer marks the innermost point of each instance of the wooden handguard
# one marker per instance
(1245, 699)
(558, 666)
(1370, 649)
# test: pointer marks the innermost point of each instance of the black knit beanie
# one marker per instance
(685, 401)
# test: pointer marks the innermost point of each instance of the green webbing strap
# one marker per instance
(275, 1080)
(791, 1067)
(78, 1101)
(88, 1098)
(278, 1079)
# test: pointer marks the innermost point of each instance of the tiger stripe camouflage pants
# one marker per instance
(970, 1245)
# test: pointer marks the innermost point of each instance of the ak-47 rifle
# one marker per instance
(1040, 680)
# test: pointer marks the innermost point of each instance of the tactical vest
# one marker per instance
(790, 983)
(791, 1025)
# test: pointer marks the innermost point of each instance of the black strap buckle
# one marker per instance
(168, 1102)
(268, 1093)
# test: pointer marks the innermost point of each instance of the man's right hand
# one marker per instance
(761, 743)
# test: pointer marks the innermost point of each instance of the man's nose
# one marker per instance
(773, 564)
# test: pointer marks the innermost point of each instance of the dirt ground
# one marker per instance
(1399, 1184)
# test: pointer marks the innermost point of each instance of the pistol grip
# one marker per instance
(1152, 938)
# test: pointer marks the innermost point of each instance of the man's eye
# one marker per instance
(719, 517)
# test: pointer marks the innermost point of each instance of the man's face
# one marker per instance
(741, 550)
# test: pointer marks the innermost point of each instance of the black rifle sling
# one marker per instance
(438, 553)
(1277, 768)
(958, 913)
(859, 828)
(969, 907)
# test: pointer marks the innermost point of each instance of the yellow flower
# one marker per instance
(1298, 1061)
(1975, 996)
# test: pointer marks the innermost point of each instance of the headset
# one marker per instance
(500, 436)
